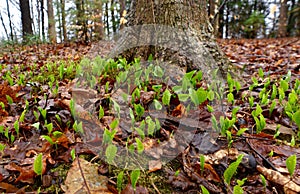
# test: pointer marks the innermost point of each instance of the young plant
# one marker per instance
(140, 145)
(237, 189)
(120, 181)
(204, 190)
(38, 164)
(291, 163)
(17, 127)
(73, 154)
(231, 170)
(198, 96)
(139, 110)
(134, 176)
(166, 97)
(202, 162)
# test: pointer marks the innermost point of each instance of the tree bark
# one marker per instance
(10, 24)
(282, 29)
(51, 22)
(26, 19)
(63, 19)
(178, 32)
(98, 20)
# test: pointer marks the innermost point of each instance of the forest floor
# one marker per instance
(66, 125)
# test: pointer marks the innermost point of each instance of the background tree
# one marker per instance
(10, 21)
(51, 22)
(26, 19)
(282, 28)
(63, 19)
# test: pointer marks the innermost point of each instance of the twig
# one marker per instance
(81, 172)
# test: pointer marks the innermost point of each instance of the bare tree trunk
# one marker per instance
(43, 19)
(98, 20)
(58, 8)
(51, 22)
(10, 25)
(178, 32)
(3, 24)
(63, 19)
(282, 28)
(113, 19)
(106, 18)
(26, 19)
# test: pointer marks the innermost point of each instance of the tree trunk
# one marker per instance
(63, 19)
(51, 22)
(98, 20)
(282, 29)
(43, 19)
(10, 24)
(26, 19)
(174, 31)
(3, 24)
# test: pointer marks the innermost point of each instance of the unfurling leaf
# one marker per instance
(38, 164)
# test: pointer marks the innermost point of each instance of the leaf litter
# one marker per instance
(184, 173)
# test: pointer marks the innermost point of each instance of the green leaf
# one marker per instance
(38, 164)
(139, 110)
(101, 112)
(190, 74)
(140, 132)
(210, 108)
(291, 164)
(110, 153)
(114, 124)
(263, 180)
(151, 126)
(22, 117)
(166, 97)
(134, 176)
(237, 85)
(73, 155)
(237, 190)
(210, 95)
(158, 71)
(272, 106)
(296, 118)
(202, 95)
(232, 168)
(157, 105)
(230, 98)
(284, 85)
(183, 97)
(241, 131)
(57, 134)
(120, 180)
(9, 99)
(48, 138)
(16, 126)
(251, 101)
(204, 190)
(274, 92)
(140, 145)
(262, 122)
(202, 161)
(261, 73)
